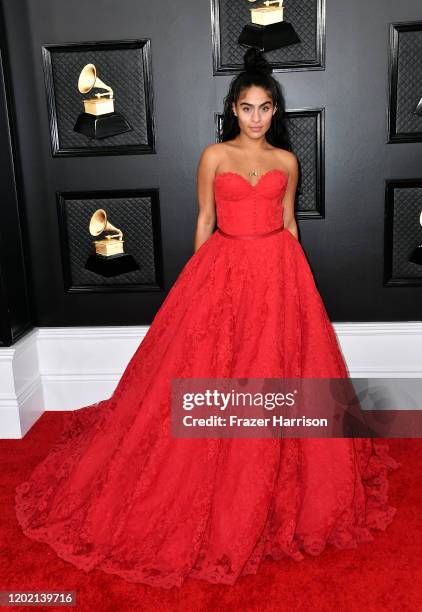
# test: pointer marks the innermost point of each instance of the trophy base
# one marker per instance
(416, 256)
(269, 37)
(111, 265)
(101, 126)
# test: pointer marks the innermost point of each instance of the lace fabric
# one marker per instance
(118, 493)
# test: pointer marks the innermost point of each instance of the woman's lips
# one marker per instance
(256, 129)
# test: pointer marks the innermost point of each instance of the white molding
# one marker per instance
(65, 368)
(376, 329)
(376, 350)
(21, 391)
(82, 365)
(93, 332)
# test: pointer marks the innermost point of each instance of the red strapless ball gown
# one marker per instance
(117, 492)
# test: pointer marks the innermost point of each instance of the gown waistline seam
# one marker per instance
(246, 236)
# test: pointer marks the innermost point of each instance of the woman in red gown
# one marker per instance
(119, 493)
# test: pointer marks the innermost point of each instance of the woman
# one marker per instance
(119, 493)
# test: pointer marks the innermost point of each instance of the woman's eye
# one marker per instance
(246, 110)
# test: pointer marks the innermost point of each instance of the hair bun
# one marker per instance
(255, 62)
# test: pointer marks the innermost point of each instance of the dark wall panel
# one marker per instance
(15, 315)
(345, 245)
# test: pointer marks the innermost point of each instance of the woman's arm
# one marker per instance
(290, 196)
(205, 192)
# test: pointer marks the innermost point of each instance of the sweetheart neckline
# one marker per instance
(282, 172)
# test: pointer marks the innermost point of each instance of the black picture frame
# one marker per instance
(405, 82)
(306, 55)
(61, 69)
(151, 248)
(402, 232)
(306, 127)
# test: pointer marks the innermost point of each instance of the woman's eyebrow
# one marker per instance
(263, 104)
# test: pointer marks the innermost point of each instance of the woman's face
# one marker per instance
(254, 110)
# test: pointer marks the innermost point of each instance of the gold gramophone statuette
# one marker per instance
(267, 30)
(99, 120)
(267, 14)
(416, 255)
(109, 260)
(111, 244)
(98, 105)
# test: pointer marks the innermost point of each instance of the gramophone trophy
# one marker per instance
(110, 258)
(418, 109)
(99, 120)
(416, 256)
(268, 30)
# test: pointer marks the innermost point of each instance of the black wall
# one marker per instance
(15, 315)
(345, 248)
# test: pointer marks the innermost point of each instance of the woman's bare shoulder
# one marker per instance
(215, 148)
(213, 154)
(287, 158)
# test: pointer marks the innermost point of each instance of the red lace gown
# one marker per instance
(117, 492)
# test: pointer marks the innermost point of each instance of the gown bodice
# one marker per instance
(243, 208)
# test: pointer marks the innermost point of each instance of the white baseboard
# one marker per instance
(82, 365)
(64, 368)
(21, 392)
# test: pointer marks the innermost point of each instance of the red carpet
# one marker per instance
(382, 575)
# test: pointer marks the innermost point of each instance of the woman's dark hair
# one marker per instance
(257, 71)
